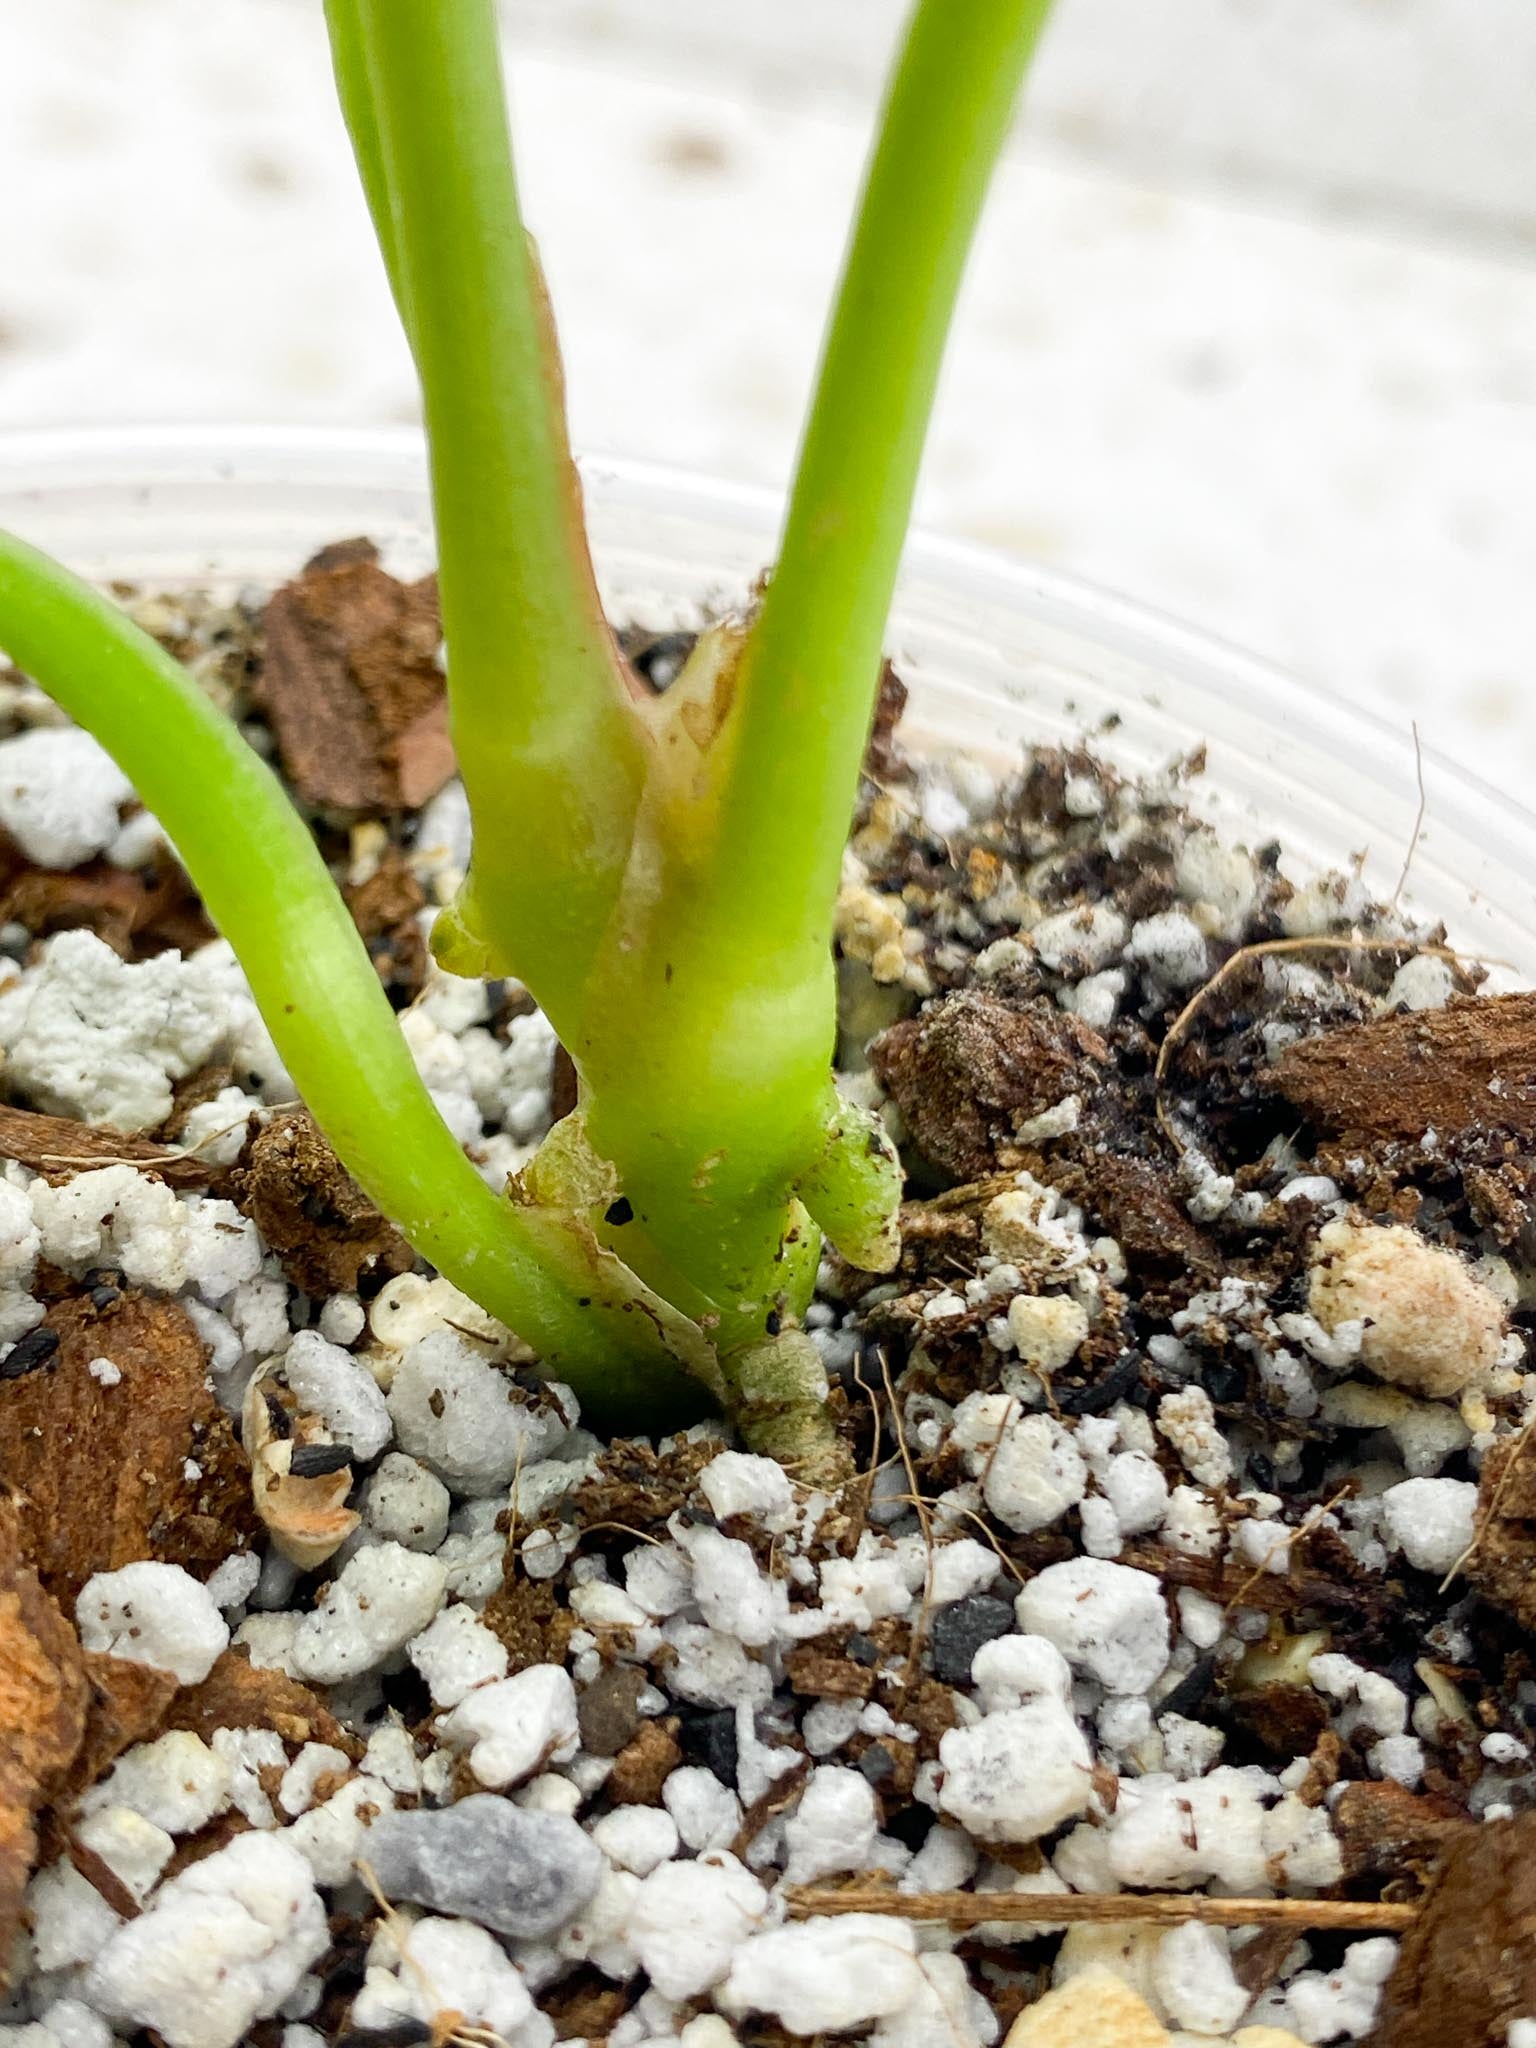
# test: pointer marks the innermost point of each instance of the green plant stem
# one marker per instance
(806, 689)
(355, 90)
(551, 752)
(725, 954)
(271, 895)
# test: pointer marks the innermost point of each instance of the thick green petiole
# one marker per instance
(806, 688)
(727, 955)
(271, 895)
(551, 752)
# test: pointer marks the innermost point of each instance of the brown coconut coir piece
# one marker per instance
(1470, 1066)
(1467, 1966)
(44, 1696)
(311, 1212)
(106, 1474)
(351, 683)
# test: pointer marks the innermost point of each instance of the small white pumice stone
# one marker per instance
(1012, 1669)
(134, 1849)
(825, 1975)
(707, 1813)
(1400, 1757)
(152, 1613)
(1423, 983)
(1190, 1748)
(339, 1388)
(1096, 998)
(267, 1640)
(867, 1587)
(1169, 947)
(333, 1836)
(234, 1581)
(1047, 1329)
(946, 1862)
(516, 1725)
(1342, 2002)
(381, 1598)
(736, 1483)
(712, 1669)
(405, 1503)
(468, 1421)
(1034, 1475)
(1192, 1975)
(1136, 1489)
(1166, 1832)
(1018, 1773)
(391, 1757)
(70, 1919)
(551, 1793)
(1429, 1324)
(1075, 943)
(316, 1760)
(689, 1920)
(960, 1569)
(833, 1827)
(1107, 1619)
(220, 1947)
(1188, 1421)
(64, 2024)
(342, 1319)
(410, 1962)
(177, 1781)
(946, 2010)
(732, 1593)
(1431, 1520)
(636, 1838)
(599, 1933)
(1207, 871)
(455, 1654)
(102, 1039)
(1377, 1703)
(59, 795)
(659, 1578)
(247, 1754)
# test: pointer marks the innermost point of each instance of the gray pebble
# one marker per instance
(486, 1860)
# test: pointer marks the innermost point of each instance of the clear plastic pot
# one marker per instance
(996, 653)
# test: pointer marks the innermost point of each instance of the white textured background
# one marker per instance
(1251, 332)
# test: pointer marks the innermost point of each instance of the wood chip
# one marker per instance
(237, 1695)
(58, 1148)
(644, 1764)
(128, 1704)
(827, 1675)
(352, 686)
(146, 1467)
(1470, 1066)
(1467, 1967)
(1502, 1561)
(1386, 1831)
(44, 1697)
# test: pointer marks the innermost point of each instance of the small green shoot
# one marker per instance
(659, 871)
